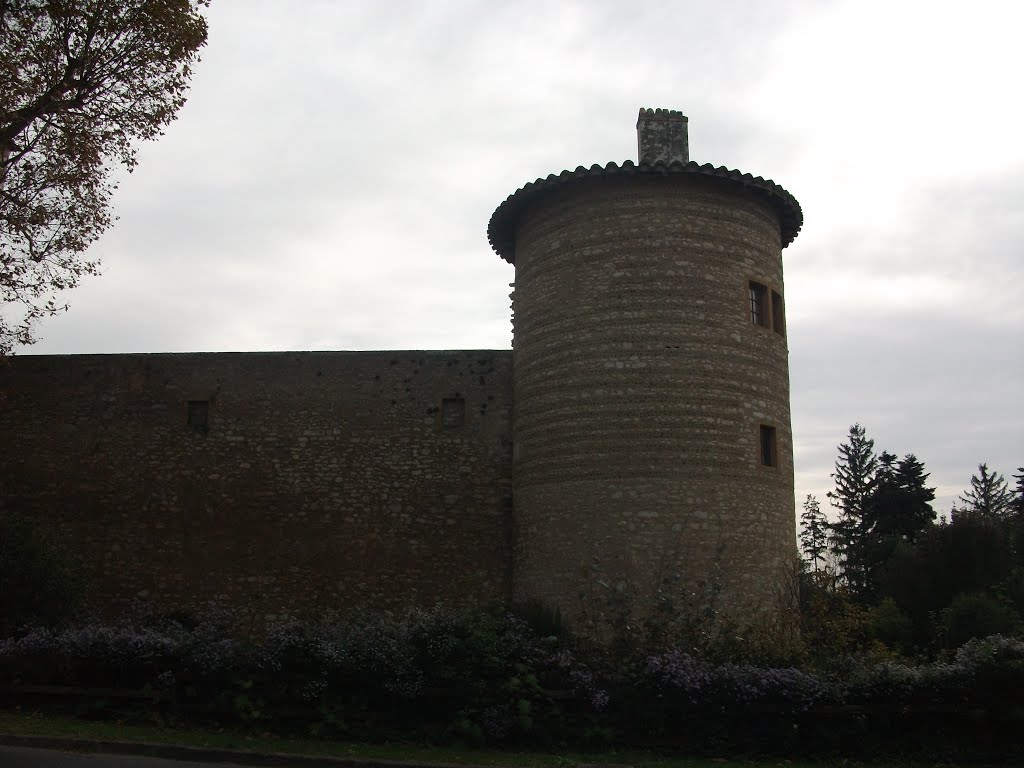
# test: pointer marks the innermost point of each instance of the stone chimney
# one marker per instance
(661, 135)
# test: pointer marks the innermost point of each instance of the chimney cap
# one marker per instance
(664, 114)
(661, 136)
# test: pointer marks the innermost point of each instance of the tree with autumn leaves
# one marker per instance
(82, 82)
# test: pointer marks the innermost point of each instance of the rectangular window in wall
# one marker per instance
(758, 304)
(453, 412)
(778, 314)
(769, 447)
(199, 415)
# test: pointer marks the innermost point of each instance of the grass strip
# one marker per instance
(35, 724)
(25, 723)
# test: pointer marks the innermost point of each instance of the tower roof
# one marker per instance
(664, 152)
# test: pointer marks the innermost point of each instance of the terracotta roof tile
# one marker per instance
(501, 229)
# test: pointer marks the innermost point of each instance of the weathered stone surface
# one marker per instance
(651, 427)
(323, 480)
(640, 387)
(662, 136)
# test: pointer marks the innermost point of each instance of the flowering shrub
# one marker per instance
(170, 662)
(985, 672)
(470, 675)
(680, 673)
(891, 686)
(997, 667)
(689, 683)
(486, 676)
(994, 650)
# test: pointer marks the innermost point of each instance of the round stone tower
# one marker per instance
(652, 436)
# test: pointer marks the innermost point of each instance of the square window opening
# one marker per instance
(199, 415)
(778, 314)
(758, 304)
(453, 412)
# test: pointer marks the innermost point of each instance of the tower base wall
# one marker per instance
(645, 540)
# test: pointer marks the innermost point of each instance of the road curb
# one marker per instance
(207, 754)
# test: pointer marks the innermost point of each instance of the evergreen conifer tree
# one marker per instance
(814, 534)
(898, 512)
(989, 495)
(901, 502)
(855, 483)
(1018, 494)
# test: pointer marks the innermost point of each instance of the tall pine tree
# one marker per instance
(989, 495)
(901, 503)
(855, 483)
(1018, 494)
(814, 534)
(898, 511)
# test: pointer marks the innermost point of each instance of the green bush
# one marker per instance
(485, 677)
(890, 626)
(40, 583)
(976, 615)
(834, 628)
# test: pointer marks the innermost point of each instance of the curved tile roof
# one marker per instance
(501, 229)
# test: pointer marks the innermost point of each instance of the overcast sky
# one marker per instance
(329, 184)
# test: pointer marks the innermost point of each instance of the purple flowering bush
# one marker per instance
(871, 709)
(481, 676)
(118, 656)
(685, 683)
(486, 676)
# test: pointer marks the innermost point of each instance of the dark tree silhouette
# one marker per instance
(989, 495)
(1018, 493)
(899, 510)
(918, 586)
(814, 534)
(901, 503)
(855, 483)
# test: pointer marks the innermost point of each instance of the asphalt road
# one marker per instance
(68, 754)
(24, 757)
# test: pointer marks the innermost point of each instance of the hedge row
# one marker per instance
(484, 677)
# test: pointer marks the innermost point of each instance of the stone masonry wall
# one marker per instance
(319, 480)
(641, 385)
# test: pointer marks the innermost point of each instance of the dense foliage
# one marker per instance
(81, 83)
(885, 578)
(40, 582)
(442, 676)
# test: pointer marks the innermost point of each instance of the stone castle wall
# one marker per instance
(650, 437)
(276, 482)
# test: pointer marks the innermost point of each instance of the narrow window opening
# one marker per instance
(758, 304)
(778, 314)
(199, 415)
(769, 449)
(453, 412)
